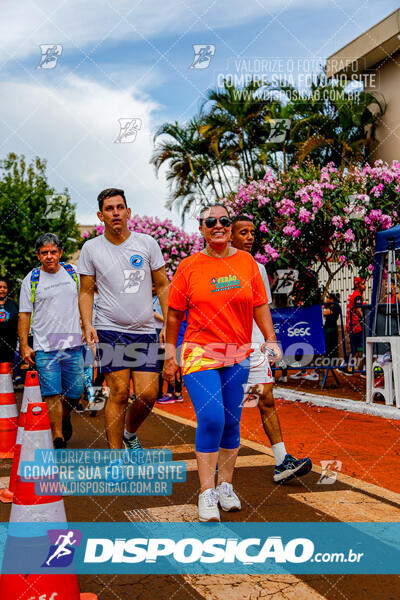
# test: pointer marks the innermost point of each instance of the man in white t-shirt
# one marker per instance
(51, 293)
(123, 264)
(260, 382)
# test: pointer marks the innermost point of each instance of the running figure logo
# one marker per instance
(61, 552)
(50, 55)
(329, 471)
(133, 279)
(128, 129)
(203, 54)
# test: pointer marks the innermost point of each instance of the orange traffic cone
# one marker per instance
(8, 413)
(30, 508)
(31, 394)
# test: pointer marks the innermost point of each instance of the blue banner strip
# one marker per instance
(207, 548)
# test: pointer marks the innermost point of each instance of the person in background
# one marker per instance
(331, 313)
(159, 324)
(51, 292)
(174, 392)
(8, 325)
(354, 317)
(260, 382)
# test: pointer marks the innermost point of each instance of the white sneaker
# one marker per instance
(227, 497)
(208, 505)
(312, 377)
(297, 375)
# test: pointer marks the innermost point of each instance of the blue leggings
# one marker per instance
(217, 397)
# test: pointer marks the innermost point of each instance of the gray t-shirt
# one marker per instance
(123, 278)
(256, 335)
(55, 320)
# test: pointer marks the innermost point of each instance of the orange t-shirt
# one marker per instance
(219, 294)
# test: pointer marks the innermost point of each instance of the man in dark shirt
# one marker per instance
(354, 317)
(8, 324)
(331, 312)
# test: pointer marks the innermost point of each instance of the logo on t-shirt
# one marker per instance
(136, 261)
(132, 281)
(4, 315)
(220, 284)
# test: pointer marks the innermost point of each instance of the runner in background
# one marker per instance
(51, 292)
(8, 325)
(221, 288)
(354, 319)
(123, 265)
(159, 324)
(260, 382)
(174, 392)
(96, 394)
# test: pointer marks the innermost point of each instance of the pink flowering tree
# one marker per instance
(314, 218)
(175, 243)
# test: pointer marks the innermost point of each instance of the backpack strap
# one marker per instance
(35, 275)
(71, 272)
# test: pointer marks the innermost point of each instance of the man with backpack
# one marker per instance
(49, 304)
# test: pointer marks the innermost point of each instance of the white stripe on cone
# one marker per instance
(38, 440)
(8, 411)
(6, 385)
(20, 433)
(52, 512)
(31, 394)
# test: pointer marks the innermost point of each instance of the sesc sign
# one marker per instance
(299, 329)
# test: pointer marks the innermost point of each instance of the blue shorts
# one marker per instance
(60, 372)
(119, 350)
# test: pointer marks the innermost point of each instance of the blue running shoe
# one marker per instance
(292, 467)
(132, 444)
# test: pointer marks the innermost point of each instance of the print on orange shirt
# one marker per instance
(225, 283)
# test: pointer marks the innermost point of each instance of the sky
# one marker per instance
(133, 63)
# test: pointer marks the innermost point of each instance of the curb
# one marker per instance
(387, 412)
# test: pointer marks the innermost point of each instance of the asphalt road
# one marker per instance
(348, 499)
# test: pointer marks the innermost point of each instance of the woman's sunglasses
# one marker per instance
(212, 221)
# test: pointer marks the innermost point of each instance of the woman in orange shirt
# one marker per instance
(222, 289)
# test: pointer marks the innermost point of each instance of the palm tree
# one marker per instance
(229, 141)
(236, 119)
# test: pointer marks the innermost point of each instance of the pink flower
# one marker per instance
(337, 222)
(286, 207)
(305, 215)
(349, 236)
(85, 234)
(261, 258)
(291, 229)
(263, 227)
(274, 254)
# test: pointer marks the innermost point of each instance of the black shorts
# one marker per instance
(118, 350)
